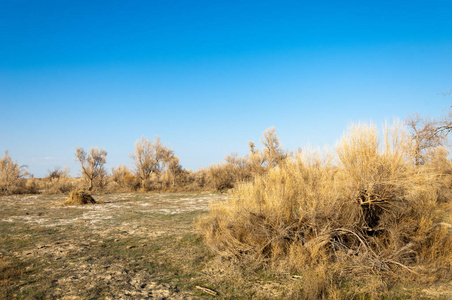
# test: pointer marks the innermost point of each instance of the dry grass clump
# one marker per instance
(356, 225)
(79, 197)
(58, 181)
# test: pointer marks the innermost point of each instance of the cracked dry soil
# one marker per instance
(128, 246)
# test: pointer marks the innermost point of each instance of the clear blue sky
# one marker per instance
(208, 76)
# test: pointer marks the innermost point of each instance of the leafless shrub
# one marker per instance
(221, 176)
(224, 176)
(255, 160)
(273, 154)
(31, 186)
(197, 180)
(438, 162)
(151, 159)
(58, 173)
(92, 165)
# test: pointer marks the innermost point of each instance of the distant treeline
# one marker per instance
(157, 168)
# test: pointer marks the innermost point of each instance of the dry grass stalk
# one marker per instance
(207, 291)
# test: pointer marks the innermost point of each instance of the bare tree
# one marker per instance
(10, 173)
(426, 135)
(449, 92)
(444, 126)
(272, 150)
(92, 165)
(150, 158)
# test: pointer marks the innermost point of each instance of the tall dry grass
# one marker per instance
(365, 215)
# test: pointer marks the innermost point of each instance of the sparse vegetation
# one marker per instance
(370, 220)
(133, 246)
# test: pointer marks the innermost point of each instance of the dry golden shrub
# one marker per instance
(123, 179)
(11, 175)
(58, 181)
(366, 212)
(79, 197)
(221, 176)
(195, 180)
